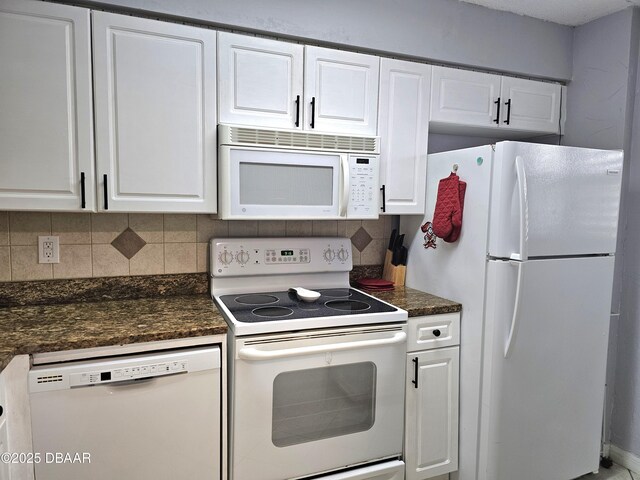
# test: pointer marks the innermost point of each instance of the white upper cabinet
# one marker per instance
(530, 105)
(260, 81)
(155, 100)
(46, 127)
(464, 97)
(506, 107)
(341, 91)
(404, 129)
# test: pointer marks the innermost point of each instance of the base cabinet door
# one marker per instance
(404, 129)
(531, 105)
(46, 120)
(431, 430)
(155, 101)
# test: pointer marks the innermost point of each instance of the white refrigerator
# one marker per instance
(533, 270)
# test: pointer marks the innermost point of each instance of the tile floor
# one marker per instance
(616, 472)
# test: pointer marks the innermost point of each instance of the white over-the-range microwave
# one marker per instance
(281, 174)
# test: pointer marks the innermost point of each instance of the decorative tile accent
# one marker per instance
(150, 227)
(179, 228)
(105, 227)
(180, 257)
(25, 227)
(108, 262)
(128, 243)
(148, 261)
(75, 262)
(72, 228)
(361, 239)
(25, 266)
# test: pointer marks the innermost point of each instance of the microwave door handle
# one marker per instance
(344, 201)
(250, 353)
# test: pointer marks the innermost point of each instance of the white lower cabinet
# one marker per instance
(432, 389)
(155, 110)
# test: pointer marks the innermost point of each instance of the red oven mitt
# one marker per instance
(447, 217)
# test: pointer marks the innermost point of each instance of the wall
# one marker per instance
(600, 111)
(446, 31)
(99, 245)
(625, 428)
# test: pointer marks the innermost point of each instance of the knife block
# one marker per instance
(393, 273)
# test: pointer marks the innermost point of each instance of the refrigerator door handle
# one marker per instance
(516, 310)
(524, 210)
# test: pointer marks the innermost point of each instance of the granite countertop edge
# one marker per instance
(50, 328)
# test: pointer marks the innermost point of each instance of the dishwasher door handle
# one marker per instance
(250, 353)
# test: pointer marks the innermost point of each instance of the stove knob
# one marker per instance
(242, 257)
(329, 255)
(343, 255)
(225, 257)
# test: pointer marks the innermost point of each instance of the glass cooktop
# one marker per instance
(272, 306)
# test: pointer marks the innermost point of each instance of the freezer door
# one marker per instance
(550, 200)
(544, 368)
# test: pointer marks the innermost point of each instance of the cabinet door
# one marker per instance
(535, 106)
(46, 124)
(260, 81)
(341, 91)
(464, 97)
(431, 430)
(155, 115)
(404, 132)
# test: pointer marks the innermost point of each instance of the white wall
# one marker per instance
(439, 30)
(600, 114)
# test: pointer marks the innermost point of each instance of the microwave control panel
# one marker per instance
(364, 186)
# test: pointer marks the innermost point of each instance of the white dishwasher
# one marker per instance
(149, 416)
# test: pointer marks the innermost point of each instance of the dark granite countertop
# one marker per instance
(417, 303)
(49, 328)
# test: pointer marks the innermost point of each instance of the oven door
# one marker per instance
(313, 402)
(274, 183)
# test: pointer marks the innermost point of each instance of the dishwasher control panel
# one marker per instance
(127, 373)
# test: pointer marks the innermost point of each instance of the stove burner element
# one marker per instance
(256, 299)
(272, 311)
(348, 305)
(336, 292)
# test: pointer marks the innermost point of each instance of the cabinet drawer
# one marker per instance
(433, 331)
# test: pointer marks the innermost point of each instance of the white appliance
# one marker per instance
(533, 270)
(296, 175)
(146, 416)
(316, 388)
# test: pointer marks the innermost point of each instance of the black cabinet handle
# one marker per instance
(415, 372)
(384, 198)
(508, 104)
(298, 111)
(106, 192)
(1, 410)
(436, 333)
(497, 119)
(313, 112)
(83, 198)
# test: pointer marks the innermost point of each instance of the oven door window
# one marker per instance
(319, 403)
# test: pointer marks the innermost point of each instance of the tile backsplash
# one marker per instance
(121, 244)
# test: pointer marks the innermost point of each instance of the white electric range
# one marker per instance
(316, 387)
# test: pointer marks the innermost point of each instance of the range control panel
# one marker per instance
(268, 256)
(364, 191)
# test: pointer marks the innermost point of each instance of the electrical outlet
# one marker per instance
(48, 249)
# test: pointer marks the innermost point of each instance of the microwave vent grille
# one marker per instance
(315, 141)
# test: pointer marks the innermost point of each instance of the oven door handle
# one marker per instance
(250, 353)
